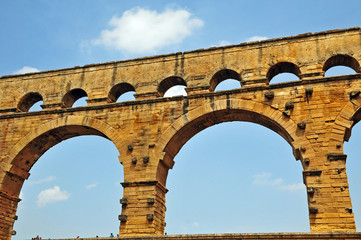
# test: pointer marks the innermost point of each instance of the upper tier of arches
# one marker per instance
(211, 81)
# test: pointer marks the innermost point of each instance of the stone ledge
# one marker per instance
(239, 236)
(177, 98)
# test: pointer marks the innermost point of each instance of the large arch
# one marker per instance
(85, 125)
(193, 122)
(218, 111)
(30, 148)
(216, 184)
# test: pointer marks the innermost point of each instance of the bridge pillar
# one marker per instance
(143, 209)
(8, 204)
(329, 201)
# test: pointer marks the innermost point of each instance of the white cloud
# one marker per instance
(256, 38)
(140, 30)
(195, 224)
(175, 91)
(224, 43)
(43, 180)
(293, 187)
(90, 186)
(266, 179)
(26, 69)
(52, 195)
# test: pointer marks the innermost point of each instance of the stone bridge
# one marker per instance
(314, 114)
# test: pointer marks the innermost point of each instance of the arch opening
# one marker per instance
(176, 142)
(236, 178)
(225, 79)
(353, 166)
(30, 102)
(77, 96)
(279, 70)
(228, 84)
(74, 165)
(121, 92)
(338, 71)
(284, 77)
(36, 107)
(63, 195)
(178, 90)
(174, 82)
(341, 60)
(210, 119)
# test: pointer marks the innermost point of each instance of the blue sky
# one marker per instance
(232, 177)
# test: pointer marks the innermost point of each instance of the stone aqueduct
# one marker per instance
(314, 115)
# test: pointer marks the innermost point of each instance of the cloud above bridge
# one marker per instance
(26, 69)
(52, 195)
(256, 39)
(141, 30)
(266, 179)
(91, 186)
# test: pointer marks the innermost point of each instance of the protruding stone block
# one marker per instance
(269, 94)
(287, 113)
(150, 200)
(150, 217)
(122, 218)
(309, 90)
(311, 190)
(289, 105)
(314, 172)
(146, 160)
(313, 210)
(301, 125)
(354, 94)
(124, 201)
(336, 157)
(130, 147)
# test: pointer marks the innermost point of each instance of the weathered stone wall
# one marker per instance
(314, 115)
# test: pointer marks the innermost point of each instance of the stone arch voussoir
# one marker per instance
(288, 126)
(345, 120)
(96, 124)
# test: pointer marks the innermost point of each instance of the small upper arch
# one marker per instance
(72, 96)
(283, 67)
(222, 75)
(119, 89)
(170, 82)
(28, 100)
(342, 60)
